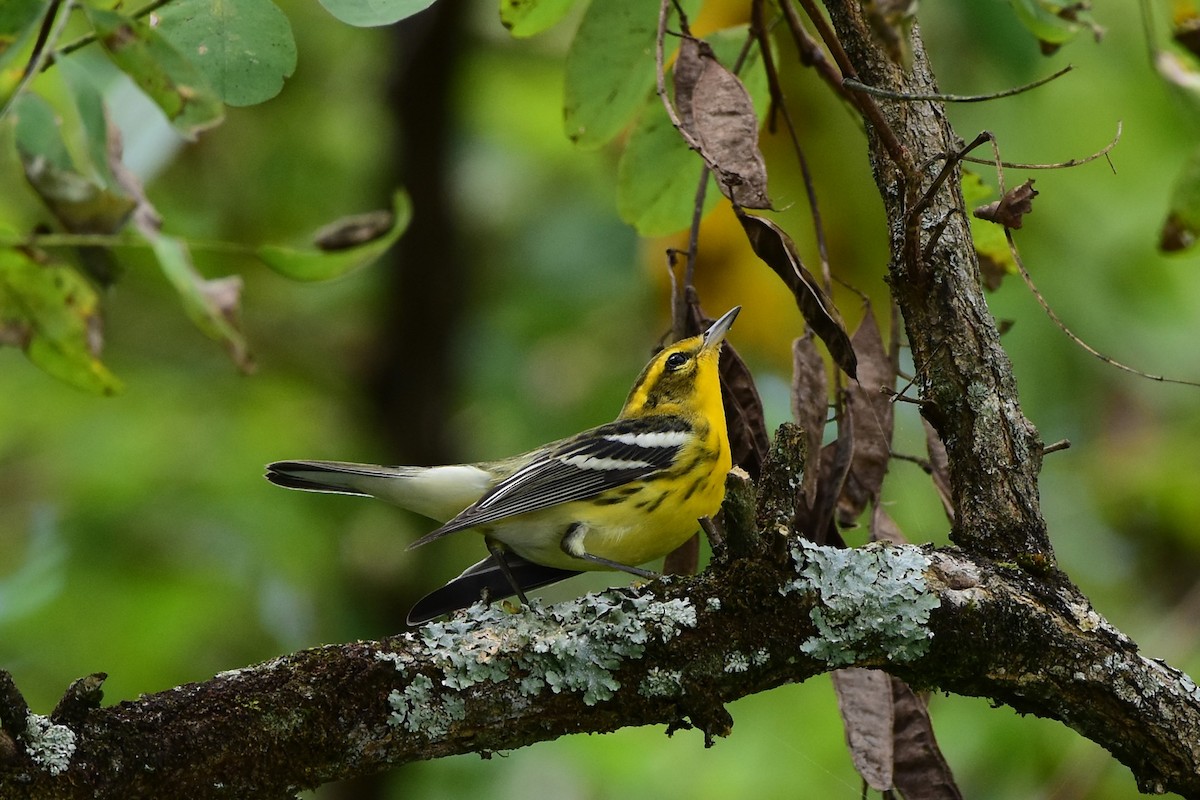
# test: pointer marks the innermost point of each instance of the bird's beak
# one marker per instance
(716, 332)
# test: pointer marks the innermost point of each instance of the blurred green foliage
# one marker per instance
(137, 537)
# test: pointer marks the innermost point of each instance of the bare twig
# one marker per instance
(1012, 247)
(88, 38)
(758, 30)
(866, 104)
(1074, 162)
(875, 91)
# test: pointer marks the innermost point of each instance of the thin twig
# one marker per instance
(811, 53)
(952, 159)
(1012, 247)
(759, 31)
(866, 104)
(88, 38)
(875, 91)
(1074, 162)
(57, 14)
(1061, 444)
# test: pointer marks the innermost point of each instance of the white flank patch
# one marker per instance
(591, 462)
(651, 439)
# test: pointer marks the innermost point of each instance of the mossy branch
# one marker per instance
(670, 652)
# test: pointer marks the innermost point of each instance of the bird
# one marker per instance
(612, 497)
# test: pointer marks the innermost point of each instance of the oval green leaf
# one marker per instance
(372, 13)
(244, 47)
(610, 68)
(168, 78)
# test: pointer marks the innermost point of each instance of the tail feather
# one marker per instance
(435, 492)
(484, 580)
(325, 476)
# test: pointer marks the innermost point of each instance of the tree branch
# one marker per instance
(671, 652)
(964, 376)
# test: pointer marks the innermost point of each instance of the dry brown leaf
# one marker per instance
(777, 250)
(686, 73)
(834, 466)
(864, 698)
(884, 528)
(920, 771)
(717, 117)
(873, 421)
(1011, 209)
(810, 403)
(939, 466)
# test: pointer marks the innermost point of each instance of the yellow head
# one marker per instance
(683, 379)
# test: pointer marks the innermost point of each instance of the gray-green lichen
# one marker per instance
(874, 601)
(737, 662)
(420, 710)
(571, 647)
(661, 683)
(50, 746)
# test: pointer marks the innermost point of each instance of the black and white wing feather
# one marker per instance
(578, 468)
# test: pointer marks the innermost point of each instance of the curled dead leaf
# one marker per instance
(1010, 210)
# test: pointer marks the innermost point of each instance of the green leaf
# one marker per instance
(53, 314)
(995, 257)
(343, 246)
(38, 131)
(1054, 22)
(173, 82)
(244, 47)
(658, 174)
(19, 20)
(80, 204)
(370, 13)
(657, 177)
(93, 121)
(525, 18)
(1183, 218)
(213, 305)
(610, 68)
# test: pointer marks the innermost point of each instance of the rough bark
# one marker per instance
(964, 376)
(671, 652)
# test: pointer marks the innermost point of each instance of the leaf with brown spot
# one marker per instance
(168, 78)
(1011, 209)
(810, 403)
(748, 439)
(939, 468)
(864, 699)
(776, 249)
(920, 770)
(873, 421)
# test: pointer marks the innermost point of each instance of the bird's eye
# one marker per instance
(675, 361)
